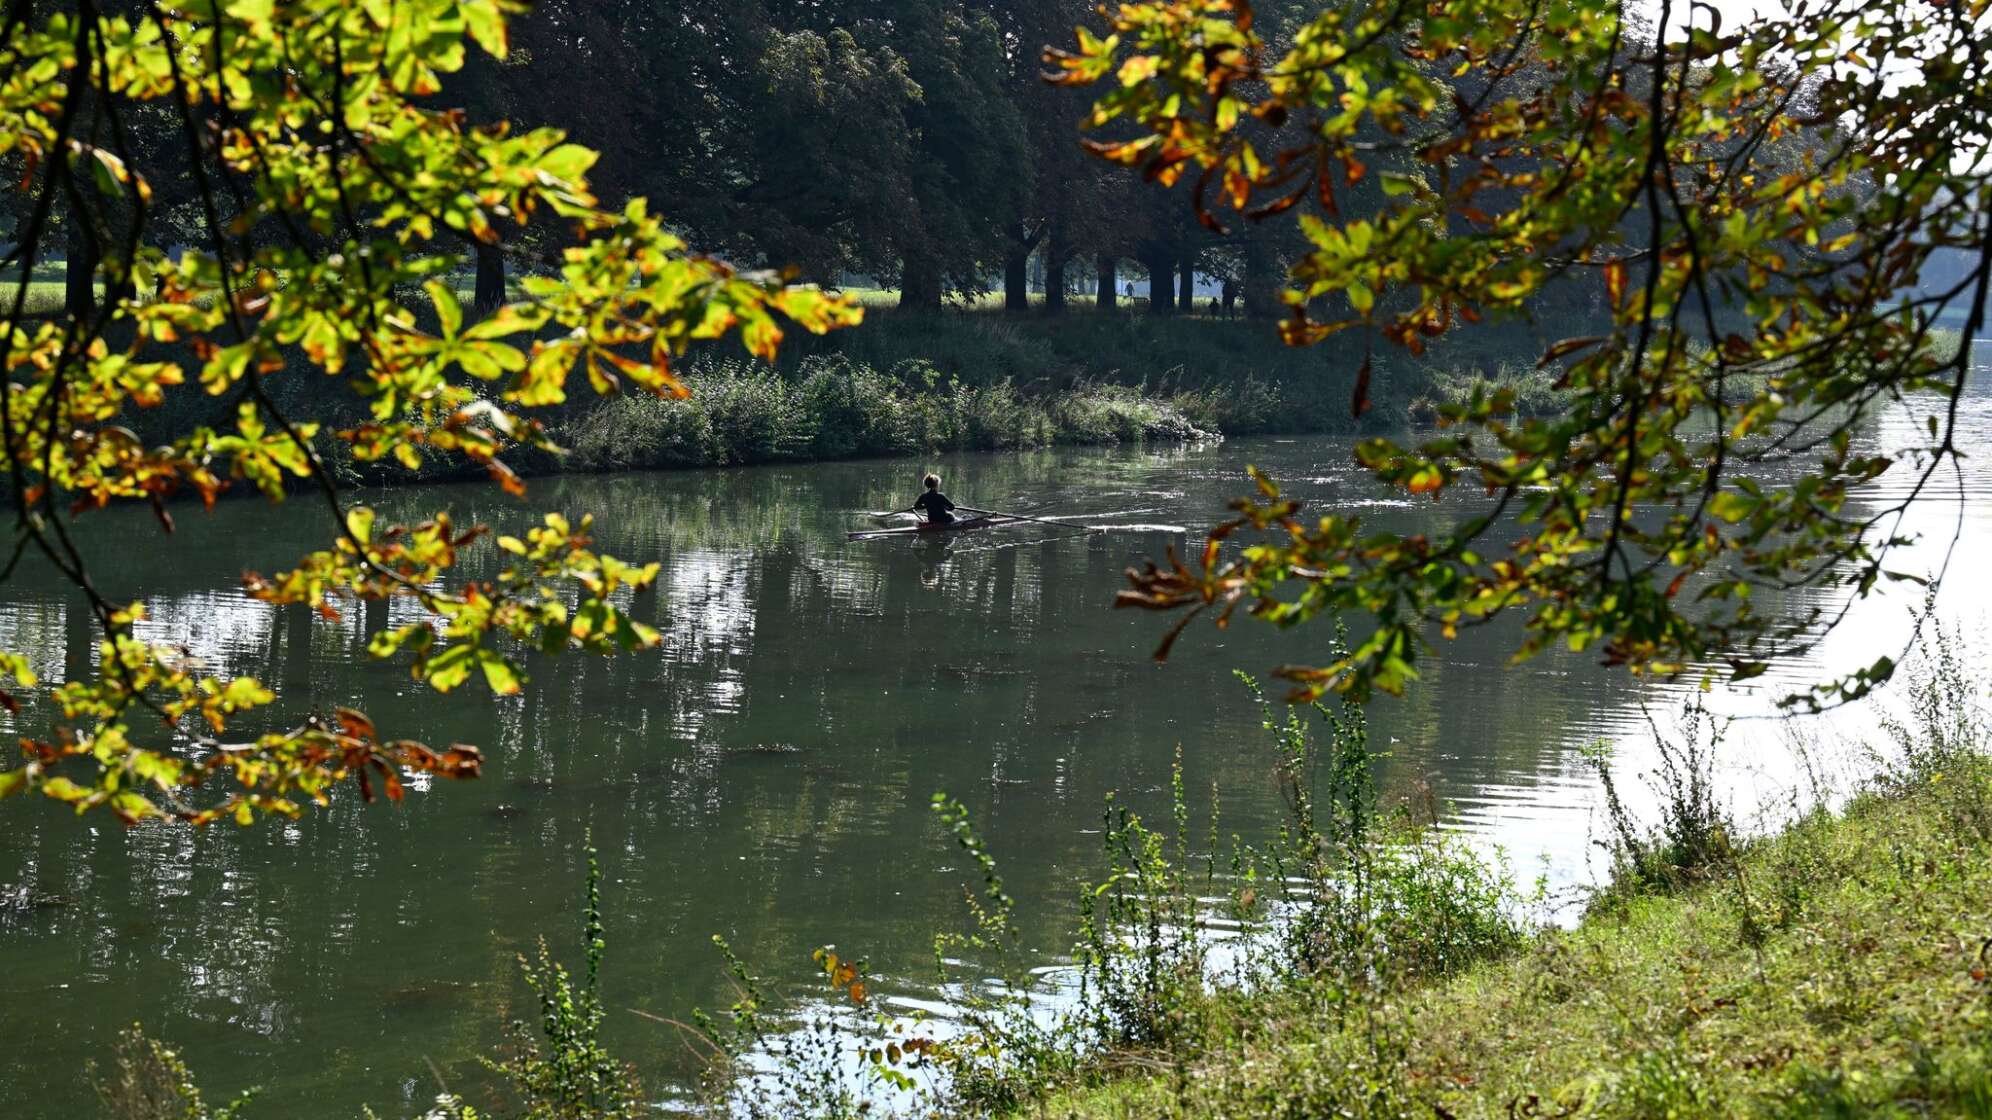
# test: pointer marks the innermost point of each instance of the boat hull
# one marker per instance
(930, 529)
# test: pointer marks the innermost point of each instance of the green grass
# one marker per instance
(44, 296)
(1837, 969)
(1228, 375)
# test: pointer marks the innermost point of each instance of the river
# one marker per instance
(766, 774)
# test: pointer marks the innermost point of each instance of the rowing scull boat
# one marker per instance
(925, 528)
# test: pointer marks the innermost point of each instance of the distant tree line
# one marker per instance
(910, 140)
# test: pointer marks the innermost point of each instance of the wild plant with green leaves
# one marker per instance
(1376, 897)
(148, 1080)
(1939, 730)
(828, 1064)
(334, 191)
(1349, 904)
(564, 1071)
(1750, 210)
(1695, 836)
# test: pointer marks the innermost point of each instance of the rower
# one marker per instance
(934, 503)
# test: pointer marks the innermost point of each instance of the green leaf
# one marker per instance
(568, 162)
(449, 313)
(63, 789)
(486, 24)
(451, 668)
(499, 673)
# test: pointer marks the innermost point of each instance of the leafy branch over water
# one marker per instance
(1753, 208)
(332, 199)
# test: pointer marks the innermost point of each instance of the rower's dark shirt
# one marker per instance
(936, 506)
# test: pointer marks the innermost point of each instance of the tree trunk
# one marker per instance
(79, 287)
(1161, 285)
(80, 636)
(1260, 288)
(297, 645)
(1054, 280)
(1187, 300)
(1017, 265)
(1016, 279)
(1108, 294)
(489, 294)
(920, 285)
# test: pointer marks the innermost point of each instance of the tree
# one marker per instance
(968, 146)
(822, 164)
(1072, 202)
(329, 191)
(1752, 208)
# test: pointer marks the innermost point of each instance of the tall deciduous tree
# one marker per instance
(969, 171)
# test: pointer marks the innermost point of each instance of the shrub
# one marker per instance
(148, 1081)
(1693, 839)
(567, 1073)
(1938, 735)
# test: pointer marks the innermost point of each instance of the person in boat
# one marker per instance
(934, 504)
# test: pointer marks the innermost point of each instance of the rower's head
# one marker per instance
(933, 481)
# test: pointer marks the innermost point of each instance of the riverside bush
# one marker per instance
(1692, 840)
(566, 1073)
(834, 408)
(148, 1081)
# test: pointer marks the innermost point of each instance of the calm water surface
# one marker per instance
(766, 774)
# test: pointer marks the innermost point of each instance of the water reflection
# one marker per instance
(765, 774)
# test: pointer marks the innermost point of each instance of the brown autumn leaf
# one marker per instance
(1615, 283)
(355, 724)
(1567, 346)
(506, 478)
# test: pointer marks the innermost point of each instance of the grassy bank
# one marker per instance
(1224, 374)
(1377, 967)
(1836, 970)
(833, 408)
(1840, 967)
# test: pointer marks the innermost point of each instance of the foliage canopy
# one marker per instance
(332, 198)
(1756, 206)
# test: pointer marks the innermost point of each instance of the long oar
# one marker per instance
(1021, 517)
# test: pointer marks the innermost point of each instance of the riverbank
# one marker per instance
(980, 380)
(1839, 968)
(904, 383)
(970, 378)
